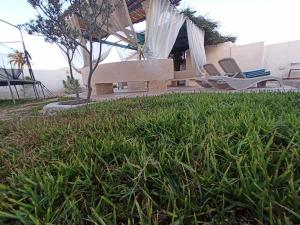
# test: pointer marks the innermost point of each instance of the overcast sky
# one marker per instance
(271, 21)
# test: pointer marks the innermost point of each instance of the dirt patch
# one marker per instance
(24, 110)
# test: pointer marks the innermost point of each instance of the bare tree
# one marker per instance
(53, 34)
(94, 17)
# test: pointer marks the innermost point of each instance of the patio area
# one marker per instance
(121, 94)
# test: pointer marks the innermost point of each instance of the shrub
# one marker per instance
(71, 85)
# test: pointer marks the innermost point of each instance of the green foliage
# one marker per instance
(52, 24)
(71, 85)
(212, 35)
(174, 159)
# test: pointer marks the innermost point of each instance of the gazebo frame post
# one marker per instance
(17, 91)
(11, 93)
(35, 90)
(42, 89)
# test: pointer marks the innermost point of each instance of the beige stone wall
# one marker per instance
(140, 75)
(185, 74)
(148, 70)
(103, 89)
(157, 86)
(137, 86)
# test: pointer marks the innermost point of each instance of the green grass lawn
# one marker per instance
(174, 159)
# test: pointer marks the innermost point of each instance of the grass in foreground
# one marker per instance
(175, 159)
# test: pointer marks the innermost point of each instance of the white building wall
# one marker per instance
(250, 56)
(278, 58)
(52, 79)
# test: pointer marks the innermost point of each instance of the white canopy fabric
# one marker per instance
(81, 58)
(163, 25)
(126, 54)
(119, 25)
(196, 44)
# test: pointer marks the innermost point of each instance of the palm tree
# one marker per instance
(17, 58)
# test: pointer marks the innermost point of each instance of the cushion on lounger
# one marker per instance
(257, 73)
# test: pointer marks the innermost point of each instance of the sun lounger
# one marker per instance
(224, 82)
(238, 80)
(231, 68)
(211, 70)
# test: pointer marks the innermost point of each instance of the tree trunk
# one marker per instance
(90, 89)
(72, 76)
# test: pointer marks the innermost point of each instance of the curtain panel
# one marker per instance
(196, 44)
(163, 25)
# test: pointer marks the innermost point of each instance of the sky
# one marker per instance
(271, 21)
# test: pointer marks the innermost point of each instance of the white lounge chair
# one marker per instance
(211, 70)
(236, 79)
